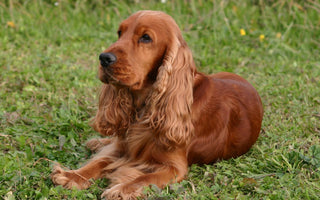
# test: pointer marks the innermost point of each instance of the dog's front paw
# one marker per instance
(123, 192)
(69, 179)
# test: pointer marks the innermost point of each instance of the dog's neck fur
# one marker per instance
(140, 96)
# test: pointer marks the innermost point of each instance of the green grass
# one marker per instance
(48, 92)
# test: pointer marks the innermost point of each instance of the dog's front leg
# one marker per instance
(79, 178)
(94, 169)
(164, 174)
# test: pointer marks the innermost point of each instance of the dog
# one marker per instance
(160, 114)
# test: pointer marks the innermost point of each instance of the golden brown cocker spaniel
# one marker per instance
(161, 114)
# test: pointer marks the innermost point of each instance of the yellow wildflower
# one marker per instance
(261, 37)
(234, 8)
(278, 35)
(242, 32)
(11, 24)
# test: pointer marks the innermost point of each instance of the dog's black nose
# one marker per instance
(107, 59)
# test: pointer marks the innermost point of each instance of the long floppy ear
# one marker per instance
(114, 113)
(169, 112)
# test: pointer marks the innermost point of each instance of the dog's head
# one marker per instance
(147, 39)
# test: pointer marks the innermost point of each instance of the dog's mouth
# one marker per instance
(118, 79)
(108, 77)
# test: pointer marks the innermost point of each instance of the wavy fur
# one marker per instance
(169, 103)
(115, 109)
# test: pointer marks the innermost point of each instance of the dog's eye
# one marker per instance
(145, 39)
(119, 33)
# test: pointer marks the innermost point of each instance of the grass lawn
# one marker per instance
(49, 87)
